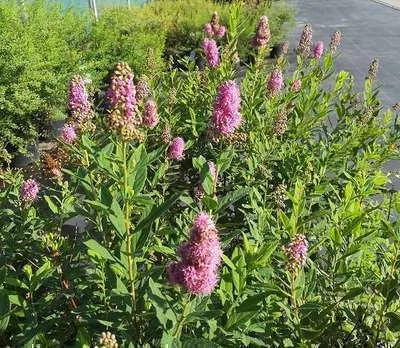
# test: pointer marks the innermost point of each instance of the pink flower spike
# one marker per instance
(78, 100)
(226, 116)
(221, 31)
(211, 52)
(263, 34)
(68, 134)
(318, 49)
(213, 170)
(336, 38)
(176, 149)
(296, 252)
(197, 272)
(275, 82)
(29, 190)
(150, 118)
(208, 29)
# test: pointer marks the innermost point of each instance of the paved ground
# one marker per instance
(393, 3)
(370, 29)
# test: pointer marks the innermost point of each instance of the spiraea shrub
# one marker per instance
(224, 207)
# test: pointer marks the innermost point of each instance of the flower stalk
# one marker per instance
(181, 322)
(127, 213)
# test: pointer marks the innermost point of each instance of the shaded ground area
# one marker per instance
(370, 29)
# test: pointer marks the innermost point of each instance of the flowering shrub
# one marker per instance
(252, 212)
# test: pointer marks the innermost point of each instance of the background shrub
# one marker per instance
(39, 49)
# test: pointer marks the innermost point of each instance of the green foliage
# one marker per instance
(39, 49)
(319, 176)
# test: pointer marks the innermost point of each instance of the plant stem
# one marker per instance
(293, 301)
(181, 321)
(126, 210)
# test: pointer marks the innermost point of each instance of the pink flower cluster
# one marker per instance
(150, 117)
(121, 103)
(296, 86)
(318, 49)
(197, 272)
(336, 38)
(304, 47)
(211, 52)
(121, 92)
(262, 35)
(214, 28)
(29, 190)
(226, 114)
(176, 149)
(296, 252)
(78, 99)
(213, 171)
(275, 82)
(68, 134)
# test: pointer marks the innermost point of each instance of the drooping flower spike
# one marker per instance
(197, 272)
(142, 88)
(373, 69)
(296, 86)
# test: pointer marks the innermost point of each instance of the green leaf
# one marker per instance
(142, 229)
(228, 262)
(199, 162)
(96, 204)
(98, 249)
(83, 338)
(168, 341)
(394, 321)
(231, 198)
(251, 303)
(156, 154)
(207, 181)
(163, 311)
(140, 178)
(199, 343)
(3, 275)
(352, 293)
(53, 207)
(4, 310)
(265, 254)
(117, 219)
(210, 203)
(106, 196)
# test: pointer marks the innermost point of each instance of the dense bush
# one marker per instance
(42, 47)
(288, 170)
